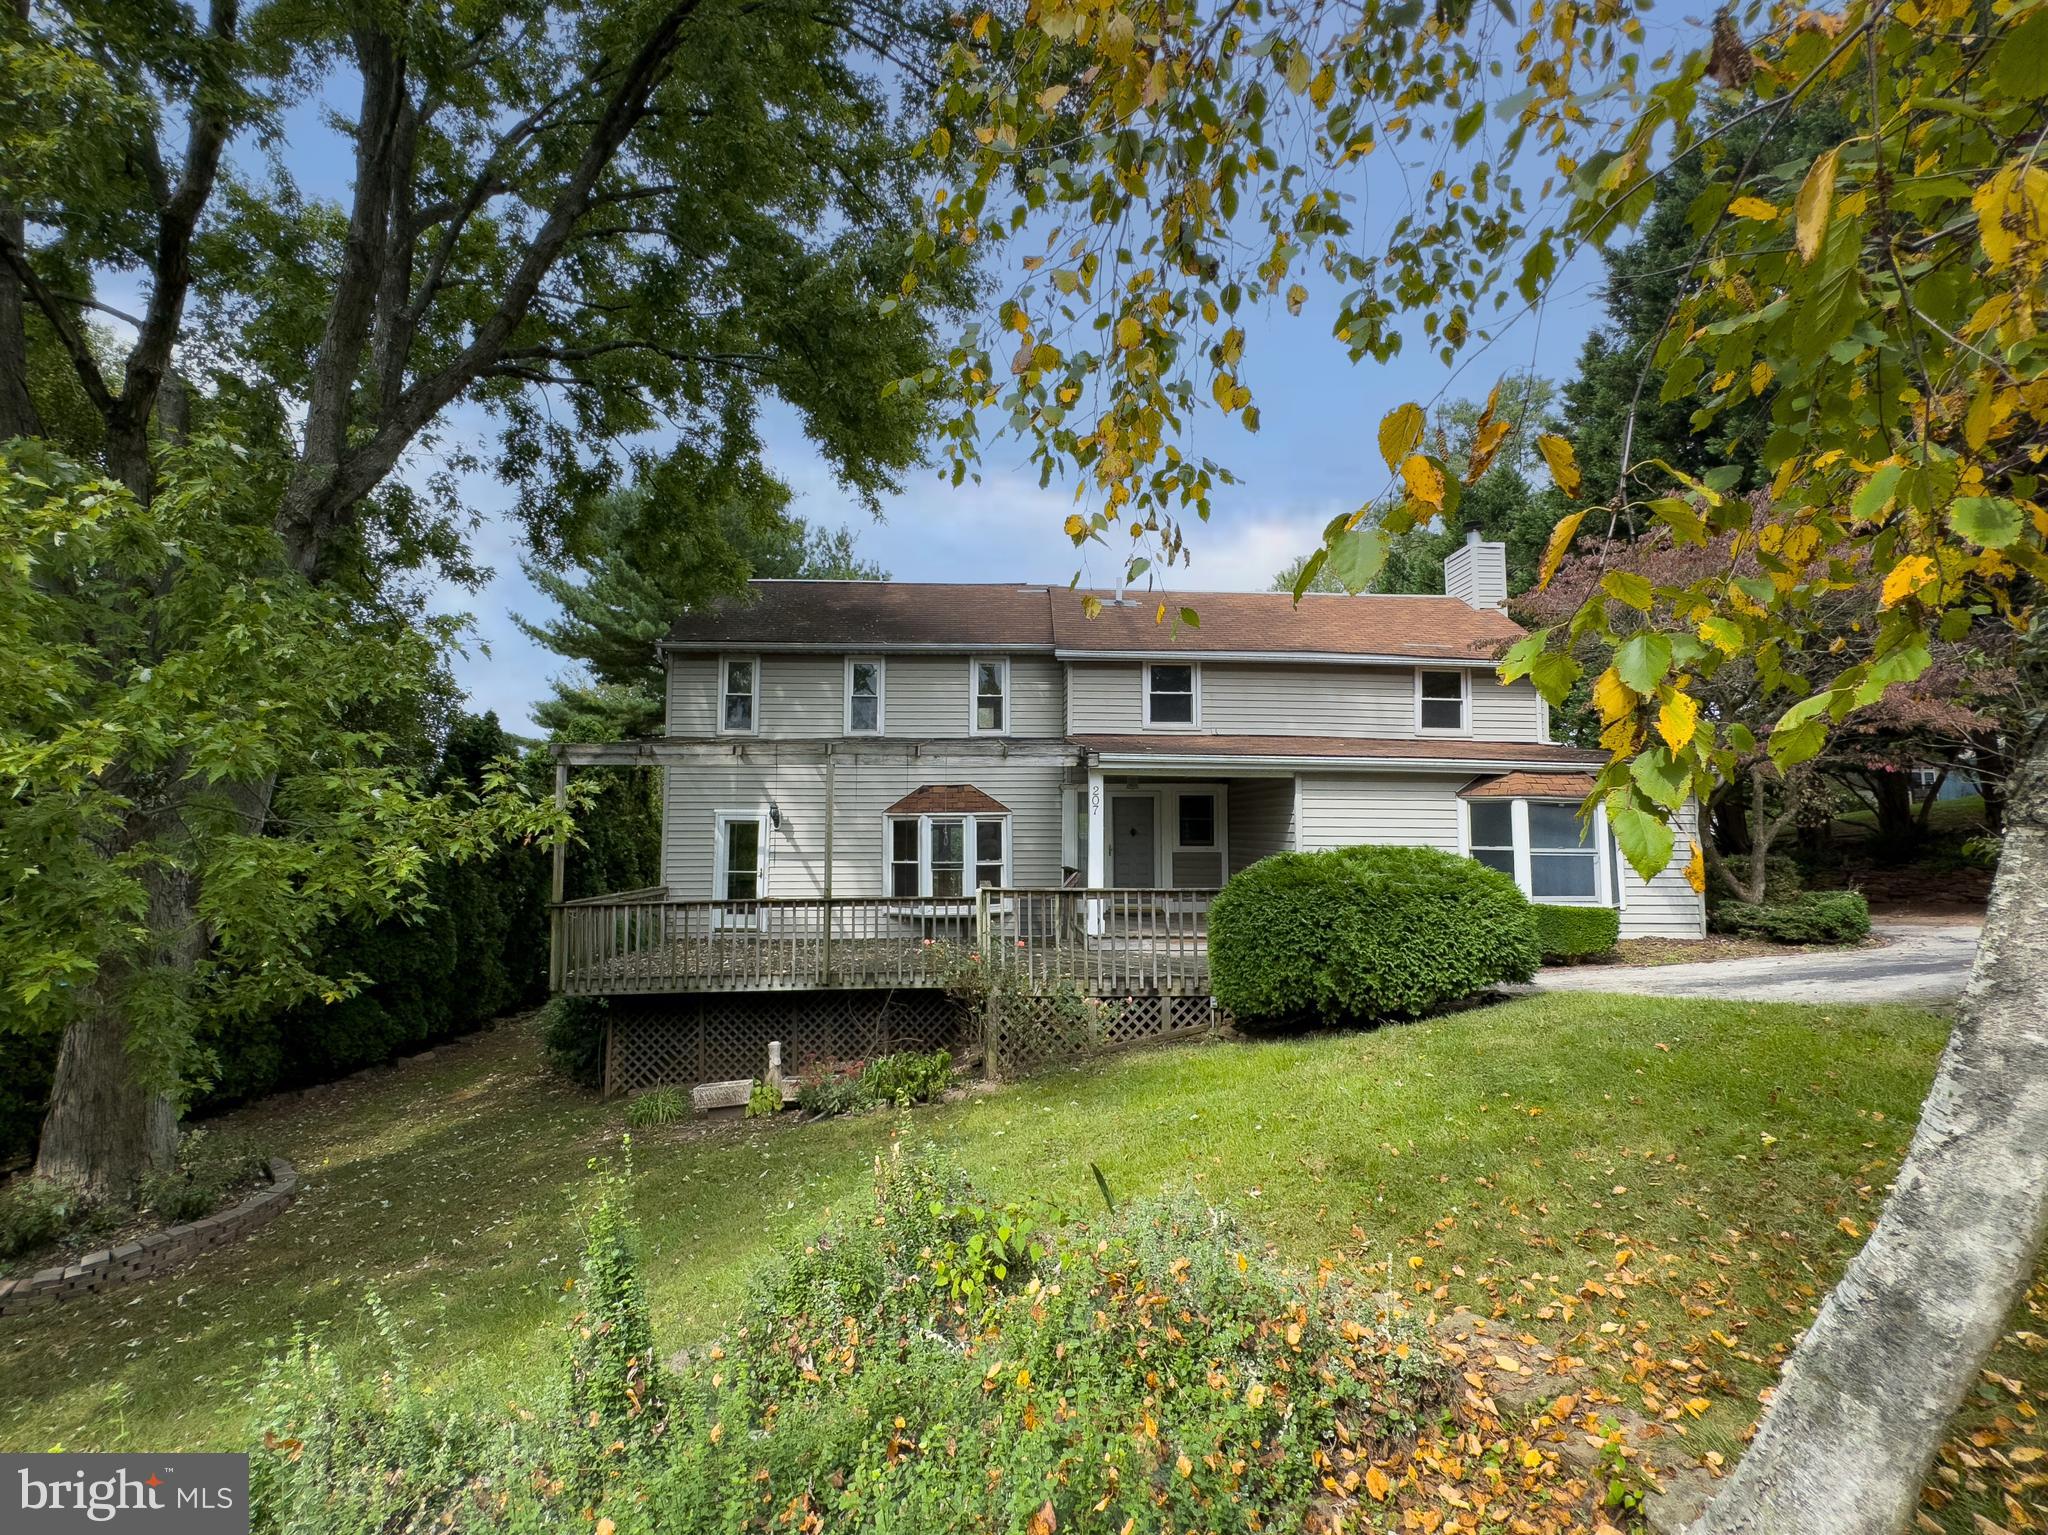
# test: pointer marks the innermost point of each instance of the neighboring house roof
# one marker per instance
(906, 615)
(1530, 786)
(1357, 748)
(1267, 623)
(947, 799)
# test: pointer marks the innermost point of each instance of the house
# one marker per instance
(854, 763)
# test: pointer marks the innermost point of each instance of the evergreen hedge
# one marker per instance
(1364, 933)
(1817, 916)
(1576, 932)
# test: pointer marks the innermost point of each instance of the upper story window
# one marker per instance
(990, 706)
(1442, 700)
(1172, 693)
(863, 697)
(739, 704)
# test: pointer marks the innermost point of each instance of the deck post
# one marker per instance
(1098, 860)
(831, 815)
(558, 873)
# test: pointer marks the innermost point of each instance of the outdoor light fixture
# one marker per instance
(775, 815)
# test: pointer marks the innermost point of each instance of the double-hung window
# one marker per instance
(947, 857)
(1172, 693)
(863, 697)
(989, 708)
(739, 701)
(1441, 698)
(1544, 848)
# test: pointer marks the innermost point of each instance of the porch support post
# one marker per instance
(831, 815)
(1098, 846)
(558, 878)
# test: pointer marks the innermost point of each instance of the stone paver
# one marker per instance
(1922, 962)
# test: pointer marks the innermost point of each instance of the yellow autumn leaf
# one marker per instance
(1560, 540)
(1129, 331)
(1612, 697)
(1696, 870)
(1905, 578)
(1678, 720)
(2012, 213)
(1051, 97)
(1753, 208)
(1400, 431)
(1815, 201)
(1424, 480)
(1532, 1458)
(1564, 464)
(1077, 526)
(1377, 1484)
(1485, 445)
(1849, 1227)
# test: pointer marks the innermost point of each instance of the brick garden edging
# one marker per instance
(152, 1254)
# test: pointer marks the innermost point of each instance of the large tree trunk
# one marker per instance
(106, 1126)
(1848, 1441)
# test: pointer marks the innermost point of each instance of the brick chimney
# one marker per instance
(1477, 573)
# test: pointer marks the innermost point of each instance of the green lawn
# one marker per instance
(1501, 1158)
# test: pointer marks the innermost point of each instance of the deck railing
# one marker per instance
(1104, 942)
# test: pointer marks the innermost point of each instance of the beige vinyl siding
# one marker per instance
(1666, 907)
(1261, 819)
(923, 696)
(1515, 712)
(1281, 699)
(865, 786)
(1403, 809)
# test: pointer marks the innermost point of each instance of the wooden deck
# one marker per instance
(1104, 943)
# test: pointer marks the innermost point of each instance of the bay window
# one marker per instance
(947, 857)
(1543, 846)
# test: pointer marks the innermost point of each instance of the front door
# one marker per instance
(1134, 841)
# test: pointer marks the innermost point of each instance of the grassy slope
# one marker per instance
(1503, 1156)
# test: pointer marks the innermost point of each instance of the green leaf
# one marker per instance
(1877, 492)
(1522, 655)
(1801, 732)
(1645, 841)
(1991, 521)
(1681, 517)
(1191, 618)
(1554, 673)
(1357, 557)
(1660, 777)
(1643, 660)
(1626, 586)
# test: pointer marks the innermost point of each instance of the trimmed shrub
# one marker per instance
(1818, 916)
(1576, 932)
(1364, 932)
(572, 1038)
(1782, 879)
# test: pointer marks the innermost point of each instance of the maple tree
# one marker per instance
(1875, 291)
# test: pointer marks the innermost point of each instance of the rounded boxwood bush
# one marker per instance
(1817, 916)
(1364, 932)
(1576, 932)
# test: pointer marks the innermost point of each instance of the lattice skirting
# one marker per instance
(1027, 1034)
(687, 1040)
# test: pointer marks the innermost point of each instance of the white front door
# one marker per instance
(1133, 841)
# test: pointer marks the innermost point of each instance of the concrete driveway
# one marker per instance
(1922, 962)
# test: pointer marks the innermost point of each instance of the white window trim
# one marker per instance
(719, 696)
(924, 853)
(1194, 688)
(722, 915)
(974, 665)
(1464, 677)
(881, 667)
(1220, 796)
(1605, 887)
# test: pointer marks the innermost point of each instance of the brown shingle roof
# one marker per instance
(947, 799)
(1272, 622)
(1530, 786)
(881, 615)
(884, 615)
(1363, 748)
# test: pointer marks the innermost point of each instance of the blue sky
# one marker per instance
(1316, 455)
